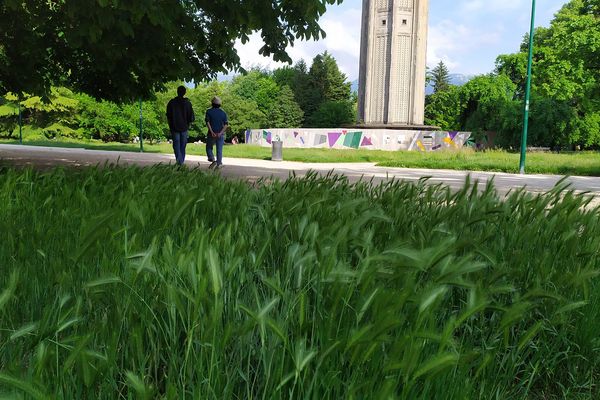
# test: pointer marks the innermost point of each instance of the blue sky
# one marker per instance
(466, 34)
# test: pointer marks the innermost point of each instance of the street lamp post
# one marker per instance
(141, 128)
(527, 92)
(20, 125)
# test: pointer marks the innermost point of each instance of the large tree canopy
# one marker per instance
(125, 49)
(566, 74)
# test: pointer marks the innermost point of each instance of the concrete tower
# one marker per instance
(393, 49)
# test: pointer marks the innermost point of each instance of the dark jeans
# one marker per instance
(210, 142)
(179, 142)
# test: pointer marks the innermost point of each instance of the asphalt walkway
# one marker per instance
(250, 169)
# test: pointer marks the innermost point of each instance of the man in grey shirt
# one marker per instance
(216, 121)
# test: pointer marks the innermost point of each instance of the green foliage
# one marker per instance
(565, 74)
(124, 51)
(318, 289)
(57, 130)
(444, 109)
(305, 93)
(484, 97)
(317, 88)
(9, 117)
(327, 79)
(565, 104)
(243, 114)
(285, 112)
(480, 105)
(326, 86)
(333, 113)
(257, 99)
(105, 120)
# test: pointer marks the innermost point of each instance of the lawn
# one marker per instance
(164, 283)
(571, 163)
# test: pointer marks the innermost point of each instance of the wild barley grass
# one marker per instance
(161, 283)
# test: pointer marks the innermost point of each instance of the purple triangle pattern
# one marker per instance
(333, 137)
(452, 135)
(367, 141)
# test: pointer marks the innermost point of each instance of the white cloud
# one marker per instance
(342, 41)
(453, 43)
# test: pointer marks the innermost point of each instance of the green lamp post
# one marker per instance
(527, 92)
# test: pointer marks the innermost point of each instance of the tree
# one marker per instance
(284, 76)
(324, 82)
(124, 50)
(305, 93)
(285, 112)
(275, 102)
(444, 109)
(483, 99)
(479, 105)
(333, 114)
(326, 77)
(440, 77)
(243, 114)
(566, 73)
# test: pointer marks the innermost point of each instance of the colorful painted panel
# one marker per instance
(367, 141)
(320, 139)
(376, 138)
(333, 137)
(352, 139)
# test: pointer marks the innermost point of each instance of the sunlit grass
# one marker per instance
(166, 283)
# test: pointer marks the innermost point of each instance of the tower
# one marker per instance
(392, 62)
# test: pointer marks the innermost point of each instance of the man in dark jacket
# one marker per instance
(180, 115)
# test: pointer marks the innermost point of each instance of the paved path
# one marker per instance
(255, 169)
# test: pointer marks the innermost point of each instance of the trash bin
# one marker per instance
(277, 152)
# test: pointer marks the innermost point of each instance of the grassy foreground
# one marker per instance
(174, 284)
(581, 163)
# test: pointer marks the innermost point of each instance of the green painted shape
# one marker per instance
(352, 139)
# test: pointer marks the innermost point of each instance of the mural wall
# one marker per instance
(374, 139)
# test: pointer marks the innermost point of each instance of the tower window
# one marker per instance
(383, 22)
(404, 22)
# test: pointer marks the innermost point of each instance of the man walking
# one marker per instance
(180, 115)
(216, 121)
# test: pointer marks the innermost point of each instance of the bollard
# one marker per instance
(277, 152)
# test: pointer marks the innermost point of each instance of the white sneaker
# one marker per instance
(212, 165)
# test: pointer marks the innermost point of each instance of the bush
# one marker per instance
(105, 120)
(60, 131)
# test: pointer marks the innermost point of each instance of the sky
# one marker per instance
(467, 35)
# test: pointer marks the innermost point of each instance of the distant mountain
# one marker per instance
(354, 86)
(455, 79)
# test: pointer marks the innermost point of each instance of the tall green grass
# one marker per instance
(126, 283)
